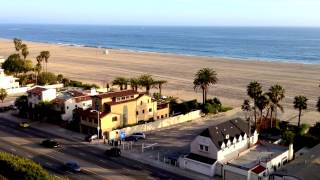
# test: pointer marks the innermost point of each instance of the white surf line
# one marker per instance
(13, 149)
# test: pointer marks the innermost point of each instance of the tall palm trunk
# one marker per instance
(203, 96)
(255, 115)
(271, 117)
(160, 90)
(299, 117)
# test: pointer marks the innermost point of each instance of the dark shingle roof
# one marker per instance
(36, 90)
(233, 128)
(202, 159)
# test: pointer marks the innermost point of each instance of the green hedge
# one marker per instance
(14, 167)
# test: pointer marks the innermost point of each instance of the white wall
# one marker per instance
(71, 104)
(49, 95)
(157, 124)
(195, 147)
(196, 166)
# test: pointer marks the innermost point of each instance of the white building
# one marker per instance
(38, 94)
(8, 82)
(216, 149)
(68, 101)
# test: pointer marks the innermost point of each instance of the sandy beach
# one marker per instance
(92, 65)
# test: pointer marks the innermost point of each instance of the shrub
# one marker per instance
(47, 78)
(14, 167)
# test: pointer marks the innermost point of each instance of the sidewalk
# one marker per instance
(74, 136)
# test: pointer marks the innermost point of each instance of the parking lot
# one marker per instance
(174, 141)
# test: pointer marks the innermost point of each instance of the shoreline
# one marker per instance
(287, 61)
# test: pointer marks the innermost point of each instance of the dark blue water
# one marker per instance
(275, 44)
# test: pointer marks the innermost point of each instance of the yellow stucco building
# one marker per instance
(119, 109)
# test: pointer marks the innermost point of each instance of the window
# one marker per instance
(67, 107)
(204, 148)
(137, 112)
(166, 115)
(150, 110)
(157, 117)
(132, 96)
(141, 103)
(76, 106)
(114, 118)
(148, 100)
(161, 116)
(95, 121)
(142, 111)
(123, 98)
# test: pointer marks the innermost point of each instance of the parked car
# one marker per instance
(24, 124)
(72, 166)
(49, 143)
(113, 152)
(139, 135)
(90, 138)
(141, 122)
(131, 138)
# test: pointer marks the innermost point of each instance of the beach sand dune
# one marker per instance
(92, 65)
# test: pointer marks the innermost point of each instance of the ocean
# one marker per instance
(300, 45)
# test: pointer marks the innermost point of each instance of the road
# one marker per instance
(95, 165)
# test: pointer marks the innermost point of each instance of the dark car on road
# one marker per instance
(72, 166)
(113, 152)
(131, 138)
(49, 143)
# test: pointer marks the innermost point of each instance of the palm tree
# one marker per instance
(300, 103)
(203, 79)
(160, 83)
(134, 83)
(45, 56)
(146, 81)
(246, 108)
(276, 94)
(121, 82)
(254, 90)
(17, 44)
(24, 51)
(261, 103)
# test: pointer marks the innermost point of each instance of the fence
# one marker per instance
(157, 124)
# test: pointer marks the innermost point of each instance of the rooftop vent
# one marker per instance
(227, 136)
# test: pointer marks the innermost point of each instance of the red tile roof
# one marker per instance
(258, 169)
(36, 90)
(58, 101)
(117, 94)
(89, 113)
(82, 98)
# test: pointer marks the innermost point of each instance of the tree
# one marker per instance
(47, 78)
(60, 78)
(3, 94)
(45, 55)
(261, 103)
(254, 91)
(134, 83)
(246, 108)
(203, 79)
(24, 51)
(300, 103)
(146, 81)
(121, 82)
(13, 64)
(275, 94)
(17, 44)
(160, 83)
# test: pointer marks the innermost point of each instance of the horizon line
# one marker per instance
(151, 25)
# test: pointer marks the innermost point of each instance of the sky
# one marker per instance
(163, 12)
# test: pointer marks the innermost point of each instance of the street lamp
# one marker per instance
(98, 128)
